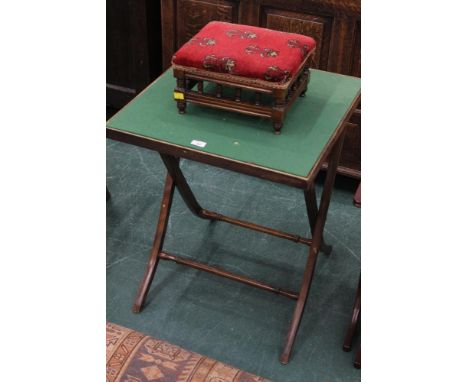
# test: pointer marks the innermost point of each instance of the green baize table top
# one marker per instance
(308, 127)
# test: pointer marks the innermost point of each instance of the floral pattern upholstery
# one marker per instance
(247, 51)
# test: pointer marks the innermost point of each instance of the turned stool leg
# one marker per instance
(277, 126)
(278, 110)
(181, 103)
(258, 98)
(219, 91)
(305, 76)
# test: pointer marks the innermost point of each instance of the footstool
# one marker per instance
(241, 68)
(134, 357)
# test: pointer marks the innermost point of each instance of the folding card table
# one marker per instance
(314, 135)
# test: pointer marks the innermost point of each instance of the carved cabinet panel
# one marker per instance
(356, 52)
(189, 17)
(318, 27)
(197, 13)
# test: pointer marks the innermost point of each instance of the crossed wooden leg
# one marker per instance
(157, 244)
(317, 217)
(317, 227)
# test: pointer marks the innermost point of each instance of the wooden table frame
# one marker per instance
(170, 155)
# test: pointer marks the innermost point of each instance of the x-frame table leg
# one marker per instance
(317, 227)
(174, 176)
(312, 212)
(157, 244)
(317, 217)
(172, 165)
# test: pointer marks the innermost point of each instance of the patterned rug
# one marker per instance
(134, 357)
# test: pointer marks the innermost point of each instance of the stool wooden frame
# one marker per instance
(284, 95)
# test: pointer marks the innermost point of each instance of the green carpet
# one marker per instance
(220, 318)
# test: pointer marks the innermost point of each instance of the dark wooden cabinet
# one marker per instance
(133, 48)
(334, 24)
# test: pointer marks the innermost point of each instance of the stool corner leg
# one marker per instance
(277, 126)
(181, 106)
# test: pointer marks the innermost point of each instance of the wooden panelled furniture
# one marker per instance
(133, 48)
(334, 24)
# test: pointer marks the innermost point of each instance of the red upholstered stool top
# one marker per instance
(246, 51)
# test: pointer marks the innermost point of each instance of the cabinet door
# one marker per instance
(181, 19)
(336, 29)
(315, 26)
(351, 155)
(333, 25)
(133, 48)
(126, 50)
(356, 52)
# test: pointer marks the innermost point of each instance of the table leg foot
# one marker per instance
(354, 320)
(136, 308)
(284, 359)
(181, 106)
(357, 361)
(299, 309)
